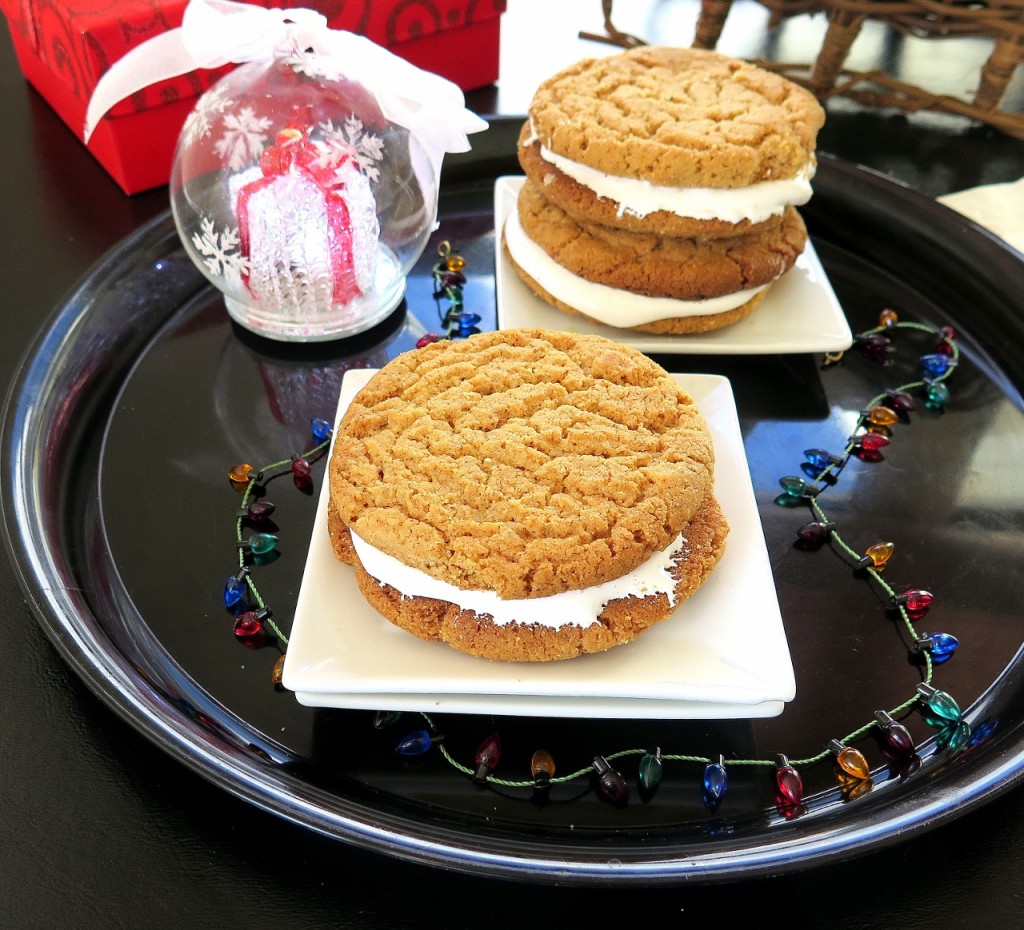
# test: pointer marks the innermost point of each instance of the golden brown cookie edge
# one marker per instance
(620, 622)
(585, 206)
(563, 119)
(672, 326)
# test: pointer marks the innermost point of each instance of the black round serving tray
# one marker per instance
(140, 394)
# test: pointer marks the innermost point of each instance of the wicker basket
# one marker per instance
(1000, 20)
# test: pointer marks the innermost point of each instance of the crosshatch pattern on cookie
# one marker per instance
(522, 462)
(678, 117)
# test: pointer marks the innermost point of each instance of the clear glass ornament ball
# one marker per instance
(299, 200)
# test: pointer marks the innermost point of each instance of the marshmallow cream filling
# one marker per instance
(598, 301)
(570, 608)
(756, 202)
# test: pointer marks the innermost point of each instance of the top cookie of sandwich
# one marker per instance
(678, 117)
(523, 462)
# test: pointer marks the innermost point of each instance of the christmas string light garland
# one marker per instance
(241, 595)
(821, 470)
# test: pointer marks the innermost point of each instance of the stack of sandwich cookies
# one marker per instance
(525, 495)
(691, 152)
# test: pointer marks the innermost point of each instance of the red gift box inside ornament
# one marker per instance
(65, 46)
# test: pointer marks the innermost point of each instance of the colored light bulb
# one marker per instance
(793, 485)
(916, 602)
(715, 782)
(321, 429)
(879, 554)
(383, 719)
(954, 736)
(815, 533)
(259, 511)
(875, 346)
(934, 365)
(426, 340)
(789, 784)
(819, 463)
(416, 743)
(448, 278)
(888, 318)
(542, 769)
(260, 543)
(850, 760)
(945, 345)
(467, 321)
(302, 473)
(938, 703)
(488, 755)
(234, 588)
(793, 491)
(896, 736)
(249, 626)
(940, 646)
(241, 475)
(277, 672)
(820, 458)
(610, 783)
(650, 769)
(900, 401)
(937, 396)
(872, 442)
(882, 416)
(454, 262)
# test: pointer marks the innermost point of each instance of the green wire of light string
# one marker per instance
(262, 473)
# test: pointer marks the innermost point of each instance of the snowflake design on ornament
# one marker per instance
(350, 141)
(317, 67)
(200, 121)
(243, 139)
(221, 251)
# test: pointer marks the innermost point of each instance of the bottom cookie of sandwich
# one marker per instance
(671, 326)
(621, 620)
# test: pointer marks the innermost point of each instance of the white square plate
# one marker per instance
(800, 313)
(723, 653)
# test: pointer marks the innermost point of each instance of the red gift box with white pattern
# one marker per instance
(65, 46)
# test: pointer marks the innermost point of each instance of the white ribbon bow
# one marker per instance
(215, 32)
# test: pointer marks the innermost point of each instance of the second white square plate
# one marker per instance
(800, 313)
(722, 654)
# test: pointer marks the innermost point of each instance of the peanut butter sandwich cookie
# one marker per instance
(644, 282)
(525, 495)
(674, 141)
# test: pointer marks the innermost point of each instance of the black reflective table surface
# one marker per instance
(103, 828)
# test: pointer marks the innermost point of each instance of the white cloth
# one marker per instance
(997, 207)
